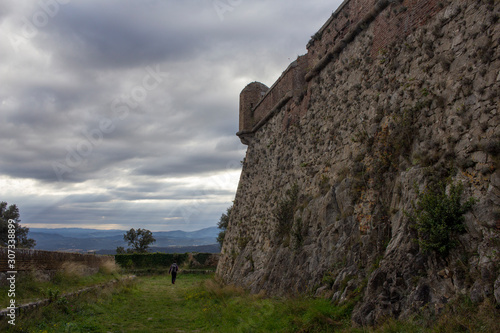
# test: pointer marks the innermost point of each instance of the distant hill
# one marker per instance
(211, 248)
(84, 240)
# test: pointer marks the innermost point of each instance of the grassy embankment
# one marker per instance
(196, 303)
(69, 279)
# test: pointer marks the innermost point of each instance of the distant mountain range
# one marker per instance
(106, 241)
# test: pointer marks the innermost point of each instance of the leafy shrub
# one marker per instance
(286, 210)
(439, 217)
(52, 294)
(223, 224)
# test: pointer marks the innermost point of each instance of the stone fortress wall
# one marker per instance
(391, 97)
(258, 103)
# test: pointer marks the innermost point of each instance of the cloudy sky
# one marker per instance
(122, 113)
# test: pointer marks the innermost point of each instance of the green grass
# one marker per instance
(197, 303)
(230, 309)
(28, 289)
(194, 303)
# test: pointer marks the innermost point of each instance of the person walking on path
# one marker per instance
(173, 270)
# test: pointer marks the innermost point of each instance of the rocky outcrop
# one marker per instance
(330, 178)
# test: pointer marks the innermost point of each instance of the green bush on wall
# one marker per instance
(285, 211)
(439, 217)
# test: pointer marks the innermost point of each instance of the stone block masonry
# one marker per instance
(258, 103)
(391, 97)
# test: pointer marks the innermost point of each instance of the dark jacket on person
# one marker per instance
(173, 269)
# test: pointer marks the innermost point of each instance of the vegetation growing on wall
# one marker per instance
(285, 211)
(223, 224)
(439, 217)
(382, 114)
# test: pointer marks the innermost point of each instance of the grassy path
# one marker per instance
(194, 304)
(155, 305)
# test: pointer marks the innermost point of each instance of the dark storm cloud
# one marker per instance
(4, 10)
(195, 163)
(127, 37)
(106, 103)
(109, 34)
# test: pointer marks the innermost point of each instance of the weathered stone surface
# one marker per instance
(497, 290)
(365, 133)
